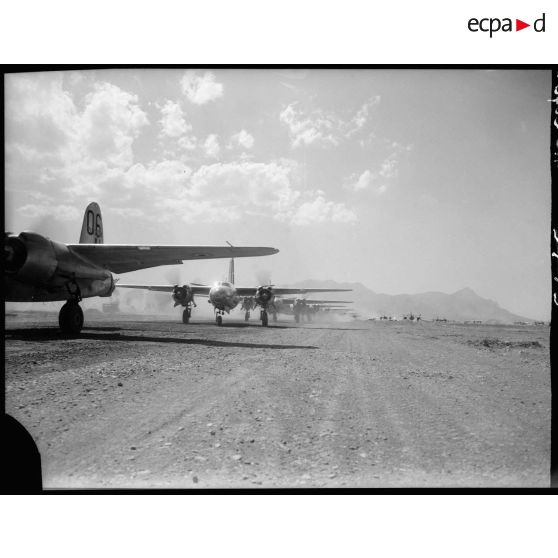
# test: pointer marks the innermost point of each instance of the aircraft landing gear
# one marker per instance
(247, 316)
(70, 317)
(186, 315)
(263, 316)
(219, 317)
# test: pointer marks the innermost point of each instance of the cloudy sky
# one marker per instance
(404, 180)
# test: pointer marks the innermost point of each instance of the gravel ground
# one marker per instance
(134, 403)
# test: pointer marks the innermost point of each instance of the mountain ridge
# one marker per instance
(462, 305)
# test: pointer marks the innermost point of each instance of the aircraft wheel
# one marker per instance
(219, 320)
(264, 318)
(186, 315)
(70, 318)
(246, 316)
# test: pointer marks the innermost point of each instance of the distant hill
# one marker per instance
(462, 305)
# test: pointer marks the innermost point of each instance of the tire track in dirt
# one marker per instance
(364, 404)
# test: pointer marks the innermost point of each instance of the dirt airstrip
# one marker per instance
(154, 403)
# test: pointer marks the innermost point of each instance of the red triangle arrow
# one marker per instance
(519, 25)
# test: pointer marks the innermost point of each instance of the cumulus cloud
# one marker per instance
(165, 178)
(321, 127)
(227, 192)
(173, 122)
(71, 147)
(369, 179)
(41, 117)
(56, 212)
(265, 189)
(109, 124)
(188, 143)
(316, 127)
(389, 168)
(377, 179)
(364, 181)
(211, 146)
(320, 211)
(84, 147)
(262, 188)
(243, 139)
(361, 117)
(200, 89)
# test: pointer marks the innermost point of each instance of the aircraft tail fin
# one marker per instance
(231, 271)
(92, 228)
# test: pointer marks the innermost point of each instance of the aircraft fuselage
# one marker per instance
(224, 297)
(40, 269)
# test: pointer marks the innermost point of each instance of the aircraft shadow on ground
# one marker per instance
(56, 335)
(341, 328)
(99, 328)
(240, 325)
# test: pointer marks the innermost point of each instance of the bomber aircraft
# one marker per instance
(225, 296)
(283, 305)
(39, 269)
(299, 307)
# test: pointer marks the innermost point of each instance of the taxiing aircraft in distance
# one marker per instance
(225, 296)
(37, 269)
(305, 307)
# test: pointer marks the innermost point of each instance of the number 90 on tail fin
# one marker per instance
(92, 228)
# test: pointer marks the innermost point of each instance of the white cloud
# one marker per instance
(201, 89)
(361, 117)
(257, 186)
(211, 146)
(387, 171)
(389, 168)
(56, 212)
(173, 122)
(109, 124)
(303, 129)
(364, 181)
(320, 211)
(244, 139)
(41, 117)
(188, 143)
(166, 178)
(321, 127)
(227, 192)
(71, 148)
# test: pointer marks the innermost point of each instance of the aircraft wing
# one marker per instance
(277, 291)
(121, 258)
(200, 290)
(316, 301)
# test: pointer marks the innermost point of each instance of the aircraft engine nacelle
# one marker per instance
(29, 257)
(97, 287)
(264, 295)
(182, 296)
